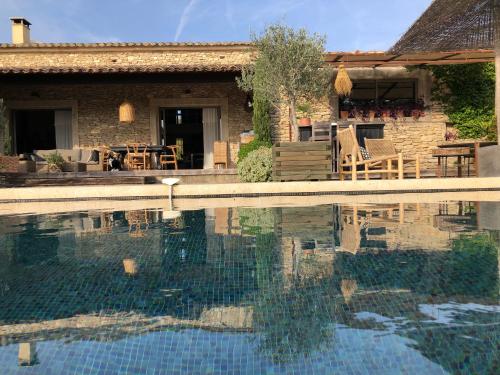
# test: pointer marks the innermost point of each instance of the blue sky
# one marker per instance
(348, 24)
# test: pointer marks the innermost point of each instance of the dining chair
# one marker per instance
(104, 154)
(169, 157)
(137, 159)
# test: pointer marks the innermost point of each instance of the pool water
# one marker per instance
(366, 289)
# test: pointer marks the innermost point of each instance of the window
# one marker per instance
(381, 91)
(178, 117)
(380, 95)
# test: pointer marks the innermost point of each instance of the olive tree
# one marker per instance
(289, 68)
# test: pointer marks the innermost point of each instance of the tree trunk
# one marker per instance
(496, 27)
(293, 120)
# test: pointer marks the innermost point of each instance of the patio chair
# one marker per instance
(350, 237)
(136, 159)
(351, 158)
(220, 154)
(169, 157)
(383, 147)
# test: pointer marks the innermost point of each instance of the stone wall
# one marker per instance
(9, 164)
(97, 106)
(105, 57)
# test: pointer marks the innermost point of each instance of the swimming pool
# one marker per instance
(365, 289)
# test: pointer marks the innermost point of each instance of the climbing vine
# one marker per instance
(468, 95)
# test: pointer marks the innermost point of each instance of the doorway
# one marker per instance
(193, 131)
(42, 129)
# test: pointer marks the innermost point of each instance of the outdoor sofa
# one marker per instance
(77, 160)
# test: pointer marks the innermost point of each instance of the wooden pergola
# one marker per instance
(388, 59)
(448, 32)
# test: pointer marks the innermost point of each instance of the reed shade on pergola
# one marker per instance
(454, 25)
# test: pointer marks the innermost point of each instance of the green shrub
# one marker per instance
(257, 166)
(245, 149)
(55, 161)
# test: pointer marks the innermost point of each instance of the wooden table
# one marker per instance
(442, 154)
(474, 150)
(153, 149)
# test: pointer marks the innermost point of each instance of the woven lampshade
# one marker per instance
(343, 84)
(127, 112)
(130, 267)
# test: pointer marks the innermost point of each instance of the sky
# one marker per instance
(348, 25)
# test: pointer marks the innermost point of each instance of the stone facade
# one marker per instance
(97, 107)
(9, 164)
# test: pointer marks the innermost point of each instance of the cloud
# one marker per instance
(186, 15)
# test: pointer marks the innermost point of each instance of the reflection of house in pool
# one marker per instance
(282, 274)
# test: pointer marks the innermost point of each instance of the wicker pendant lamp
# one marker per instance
(127, 112)
(343, 84)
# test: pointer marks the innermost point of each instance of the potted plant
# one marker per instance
(371, 115)
(345, 109)
(400, 113)
(418, 110)
(305, 109)
(386, 114)
(55, 162)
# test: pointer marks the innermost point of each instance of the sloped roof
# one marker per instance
(126, 45)
(128, 69)
(95, 58)
(450, 25)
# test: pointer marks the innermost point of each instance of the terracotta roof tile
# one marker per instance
(130, 69)
(125, 44)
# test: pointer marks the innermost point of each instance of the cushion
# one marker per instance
(364, 153)
(73, 153)
(94, 156)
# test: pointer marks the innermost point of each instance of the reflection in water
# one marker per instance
(27, 354)
(297, 288)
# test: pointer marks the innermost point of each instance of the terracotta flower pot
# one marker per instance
(304, 121)
(344, 115)
(416, 114)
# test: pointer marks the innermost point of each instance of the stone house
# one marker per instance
(67, 95)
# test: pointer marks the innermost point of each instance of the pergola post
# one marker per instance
(496, 30)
